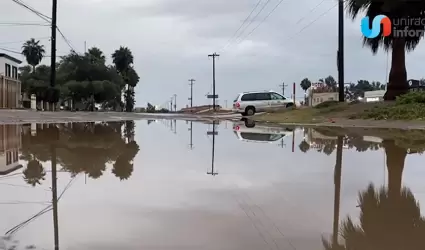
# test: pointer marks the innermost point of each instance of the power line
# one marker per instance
(253, 19)
(311, 23)
(44, 17)
(24, 24)
(26, 6)
(314, 8)
(22, 41)
(262, 21)
(243, 23)
(66, 40)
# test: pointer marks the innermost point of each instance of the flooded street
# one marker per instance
(192, 185)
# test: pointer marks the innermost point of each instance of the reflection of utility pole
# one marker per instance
(213, 133)
(293, 140)
(171, 125)
(337, 194)
(55, 198)
(191, 135)
(175, 127)
(214, 96)
(191, 93)
(283, 85)
(281, 144)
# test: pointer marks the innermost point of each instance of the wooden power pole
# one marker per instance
(214, 96)
(191, 93)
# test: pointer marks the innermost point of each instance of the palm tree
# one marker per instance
(33, 52)
(304, 146)
(395, 9)
(34, 173)
(305, 84)
(96, 56)
(123, 60)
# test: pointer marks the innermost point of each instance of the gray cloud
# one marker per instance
(171, 39)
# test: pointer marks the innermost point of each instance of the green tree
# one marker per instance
(33, 52)
(395, 9)
(331, 83)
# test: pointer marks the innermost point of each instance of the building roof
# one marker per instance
(11, 58)
(374, 93)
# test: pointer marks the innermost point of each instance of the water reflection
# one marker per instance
(275, 186)
(80, 148)
(213, 133)
(390, 217)
(190, 129)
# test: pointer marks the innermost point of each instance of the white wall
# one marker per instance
(2, 65)
(3, 61)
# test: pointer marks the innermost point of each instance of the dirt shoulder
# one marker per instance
(339, 115)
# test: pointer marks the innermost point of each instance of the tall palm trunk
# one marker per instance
(395, 165)
(397, 84)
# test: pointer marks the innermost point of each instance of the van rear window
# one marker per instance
(249, 97)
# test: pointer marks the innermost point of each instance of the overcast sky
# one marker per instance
(170, 40)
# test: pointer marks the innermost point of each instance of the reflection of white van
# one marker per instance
(258, 133)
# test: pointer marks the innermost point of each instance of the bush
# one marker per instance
(326, 104)
(410, 98)
(410, 111)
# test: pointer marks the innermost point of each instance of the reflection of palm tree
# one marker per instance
(34, 173)
(390, 217)
(123, 168)
(395, 165)
(304, 146)
(386, 222)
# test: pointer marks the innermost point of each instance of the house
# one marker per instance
(10, 144)
(416, 85)
(374, 96)
(317, 98)
(10, 86)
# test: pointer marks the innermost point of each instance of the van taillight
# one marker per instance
(237, 128)
(237, 105)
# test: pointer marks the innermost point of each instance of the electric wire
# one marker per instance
(24, 24)
(262, 21)
(311, 23)
(240, 27)
(313, 9)
(253, 19)
(26, 6)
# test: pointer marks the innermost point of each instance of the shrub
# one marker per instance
(415, 111)
(326, 104)
(410, 98)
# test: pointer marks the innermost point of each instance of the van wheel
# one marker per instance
(249, 111)
(289, 105)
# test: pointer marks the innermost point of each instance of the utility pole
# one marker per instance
(53, 52)
(214, 96)
(85, 46)
(191, 93)
(225, 104)
(175, 103)
(340, 56)
(283, 85)
(171, 104)
(282, 143)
